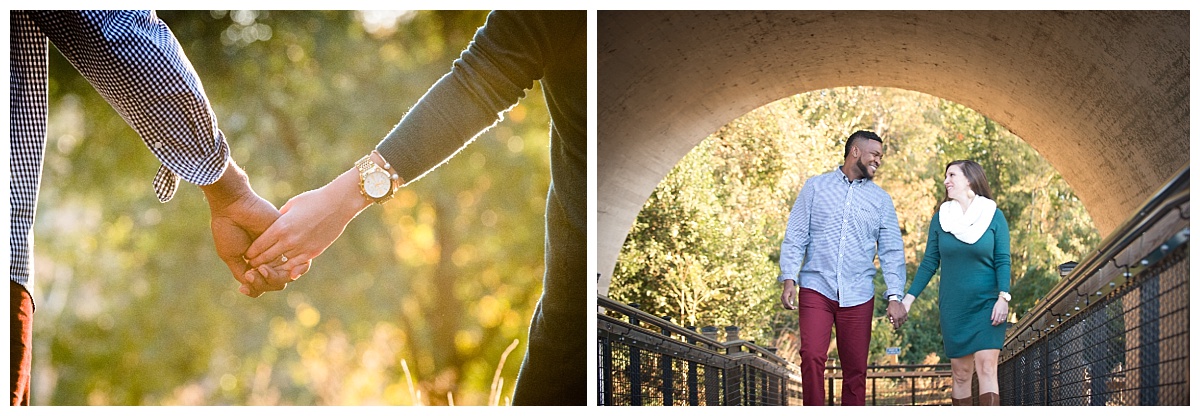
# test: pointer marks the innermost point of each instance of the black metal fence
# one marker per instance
(1114, 331)
(897, 385)
(649, 361)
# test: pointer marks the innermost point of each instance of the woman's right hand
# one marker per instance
(908, 301)
(999, 311)
(310, 222)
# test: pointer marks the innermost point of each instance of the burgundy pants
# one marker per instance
(818, 315)
(21, 356)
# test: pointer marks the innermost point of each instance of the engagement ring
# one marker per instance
(283, 258)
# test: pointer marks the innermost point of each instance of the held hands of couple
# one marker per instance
(901, 307)
(897, 313)
(309, 224)
(238, 216)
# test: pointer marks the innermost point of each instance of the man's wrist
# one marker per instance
(230, 187)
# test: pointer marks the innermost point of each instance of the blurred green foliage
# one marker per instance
(705, 247)
(416, 303)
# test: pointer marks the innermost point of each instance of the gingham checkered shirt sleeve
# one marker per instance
(134, 62)
(834, 232)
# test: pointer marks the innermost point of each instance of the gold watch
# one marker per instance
(376, 182)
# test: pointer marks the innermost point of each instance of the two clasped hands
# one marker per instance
(265, 248)
(897, 310)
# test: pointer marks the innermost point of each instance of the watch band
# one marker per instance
(1006, 296)
(365, 164)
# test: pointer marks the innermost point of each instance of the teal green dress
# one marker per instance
(973, 275)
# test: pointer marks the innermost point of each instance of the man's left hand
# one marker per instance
(239, 215)
(896, 314)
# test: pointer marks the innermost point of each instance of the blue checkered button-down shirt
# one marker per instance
(833, 233)
(136, 64)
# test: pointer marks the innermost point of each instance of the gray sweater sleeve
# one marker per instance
(505, 57)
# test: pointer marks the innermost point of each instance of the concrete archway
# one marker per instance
(1103, 96)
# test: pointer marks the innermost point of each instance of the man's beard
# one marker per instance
(862, 169)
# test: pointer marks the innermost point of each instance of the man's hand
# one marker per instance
(238, 216)
(789, 296)
(896, 314)
(310, 223)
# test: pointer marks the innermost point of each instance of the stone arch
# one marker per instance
(1103, 96)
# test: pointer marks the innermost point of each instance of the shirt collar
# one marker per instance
(846, 179)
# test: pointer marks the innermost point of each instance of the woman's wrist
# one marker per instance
(383, 163)
(346, 189)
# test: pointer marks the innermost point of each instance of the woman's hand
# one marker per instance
(1000, 312)
(239, 215)
(907, 302)
(309, 224)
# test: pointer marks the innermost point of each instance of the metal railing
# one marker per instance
(897, 385)
(1115, 330)
(648, 361)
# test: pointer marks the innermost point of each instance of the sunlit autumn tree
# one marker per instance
(705, 247)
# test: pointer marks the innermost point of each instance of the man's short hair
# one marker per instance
(860, 135)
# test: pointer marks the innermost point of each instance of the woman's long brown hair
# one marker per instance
(975, 177)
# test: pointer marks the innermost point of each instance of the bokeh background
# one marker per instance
(424, 300)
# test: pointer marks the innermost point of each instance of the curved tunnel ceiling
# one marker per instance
(1102, 96)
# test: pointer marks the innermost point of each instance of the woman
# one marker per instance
(511, 51)
(968, 237)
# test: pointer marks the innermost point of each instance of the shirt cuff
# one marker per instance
(205, 172)
(165, 184)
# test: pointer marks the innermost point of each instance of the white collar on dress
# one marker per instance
(967, 226)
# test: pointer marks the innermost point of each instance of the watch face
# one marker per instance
(377, 184)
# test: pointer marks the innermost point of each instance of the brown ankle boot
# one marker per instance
(963, 401)
(989, 399)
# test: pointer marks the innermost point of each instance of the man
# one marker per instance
(135, 63)
(837, 225)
